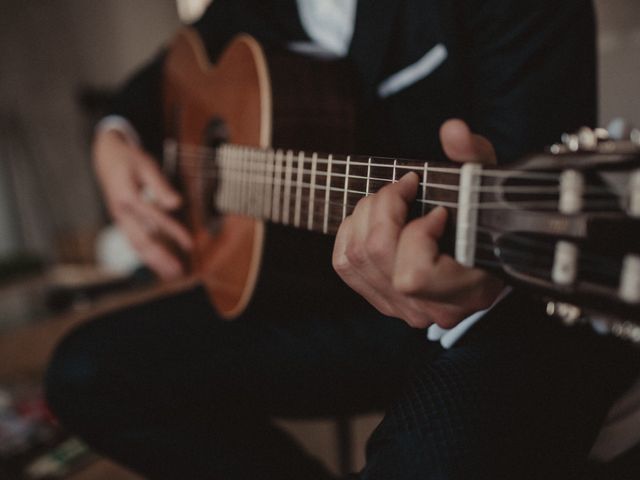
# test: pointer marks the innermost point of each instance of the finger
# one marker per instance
(385, 219)
(417, 253)
(152, 253)
(420, 270)
(164, 223)
(406, 188)
(461, 145)
(349, 272)
(152, 178)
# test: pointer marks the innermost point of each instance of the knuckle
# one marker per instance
(341, 264)
(417, 319)
(363, 202)
(377, 245)
(139, 245)
(355, 255)
(384, 307)
(411, 281)
(121, 205)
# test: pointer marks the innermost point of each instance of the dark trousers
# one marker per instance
(173, 392)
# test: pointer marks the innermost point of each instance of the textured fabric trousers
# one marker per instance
(173, 392)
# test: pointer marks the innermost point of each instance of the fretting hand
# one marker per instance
(140, 200)
(397, 266)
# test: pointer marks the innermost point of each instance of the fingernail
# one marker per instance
(439, 211)
(409, 175)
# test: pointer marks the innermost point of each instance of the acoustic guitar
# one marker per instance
(244, 143)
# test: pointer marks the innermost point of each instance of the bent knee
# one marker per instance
(72, 375)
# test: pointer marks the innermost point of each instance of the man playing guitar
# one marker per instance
(172, 390)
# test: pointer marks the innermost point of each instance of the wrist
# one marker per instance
(116, 125)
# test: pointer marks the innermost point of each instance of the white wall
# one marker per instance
(51, 48)
(619, 49)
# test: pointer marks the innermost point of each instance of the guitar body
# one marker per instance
(262, 100)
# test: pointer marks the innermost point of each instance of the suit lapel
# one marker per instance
(375, 21)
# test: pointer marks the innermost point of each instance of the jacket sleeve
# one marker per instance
(532, 70)
(272, 22)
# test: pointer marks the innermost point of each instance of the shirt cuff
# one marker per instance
(449, 337)
(120, 124)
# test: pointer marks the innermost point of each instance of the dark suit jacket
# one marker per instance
(521, 72)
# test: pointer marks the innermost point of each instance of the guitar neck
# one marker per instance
(316, 192)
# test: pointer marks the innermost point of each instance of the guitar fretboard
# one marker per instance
(314, 191)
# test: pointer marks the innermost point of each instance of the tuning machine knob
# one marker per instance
(565, 312)
(620, 129)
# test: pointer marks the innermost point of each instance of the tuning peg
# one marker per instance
(571, 141)
(567, 313)
(620, 129)
(635, 136)
(587, 139)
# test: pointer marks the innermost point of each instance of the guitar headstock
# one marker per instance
(567, 224)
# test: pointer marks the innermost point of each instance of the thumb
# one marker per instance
(461, 145)
(155, 181)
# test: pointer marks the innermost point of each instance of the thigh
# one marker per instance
(178, 354)
(519, 397)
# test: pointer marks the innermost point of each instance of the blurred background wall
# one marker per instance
(619, 51)
(53, 49)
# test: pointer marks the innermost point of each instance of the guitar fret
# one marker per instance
(220, 190)
(424, 188)
(268, 183)
(245, 184)
(231, 186)
(312, 193)
(297, 213)
(395, 165)
(275, 215)
(237, 194)
(346, 189)
(287, 187)
(325, 227)
(262, 182)
(368, 177)
(248, 181)
(255, 181)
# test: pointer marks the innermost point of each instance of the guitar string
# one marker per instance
(337, 218)
(335, 161)
(520, 174)
(482, 205)
(243, 174)
(212, 173)
(550, 248)
(519, 255)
